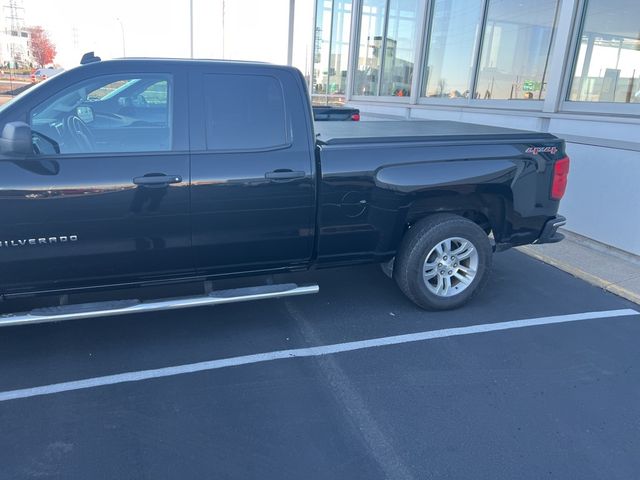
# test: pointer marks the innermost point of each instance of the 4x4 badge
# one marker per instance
(537, 150)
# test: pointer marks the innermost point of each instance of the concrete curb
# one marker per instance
(581, 274)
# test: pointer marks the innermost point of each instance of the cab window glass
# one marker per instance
(106, 115)
(244, 112)
(156, 94)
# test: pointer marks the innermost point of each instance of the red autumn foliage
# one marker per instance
(42, 49)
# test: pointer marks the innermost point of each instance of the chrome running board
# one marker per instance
(124, 307)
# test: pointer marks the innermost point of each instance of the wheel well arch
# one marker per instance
(487, 210)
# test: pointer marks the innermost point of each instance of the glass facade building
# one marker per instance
(462, 51)
(568, 67)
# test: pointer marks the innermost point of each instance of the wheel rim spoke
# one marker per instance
(470, 272)
(446, 246)
(464, 280)
(446, 285)
(463, 246)
(429, 274)
(466, 253)
(439, 285)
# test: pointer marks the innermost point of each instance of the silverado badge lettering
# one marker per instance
(23, 242)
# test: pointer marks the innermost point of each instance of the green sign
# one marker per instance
(530, 86)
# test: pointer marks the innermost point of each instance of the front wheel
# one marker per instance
(443, 261)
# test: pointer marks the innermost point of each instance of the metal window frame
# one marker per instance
(559, 55)
(314, 32)
(477, 54)
(383, 50)
(425, 11)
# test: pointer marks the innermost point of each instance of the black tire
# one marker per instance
(420, 240)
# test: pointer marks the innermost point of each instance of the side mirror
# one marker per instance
(16, 139)
(85, 114)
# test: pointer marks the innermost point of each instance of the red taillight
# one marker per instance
(560, 173)
(355, 117)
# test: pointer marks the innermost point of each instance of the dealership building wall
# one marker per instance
(568, 67)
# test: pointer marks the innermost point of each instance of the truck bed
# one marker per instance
(341, 133)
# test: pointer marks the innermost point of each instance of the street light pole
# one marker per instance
(292, 7)
(191, 26)
(223, 12)
(124, 51)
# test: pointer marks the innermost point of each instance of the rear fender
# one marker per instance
(477, 189)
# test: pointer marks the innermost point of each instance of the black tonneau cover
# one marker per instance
(340, 133)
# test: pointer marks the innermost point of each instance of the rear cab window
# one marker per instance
(245, 112)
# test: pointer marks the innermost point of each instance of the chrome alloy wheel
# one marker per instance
(450, 267)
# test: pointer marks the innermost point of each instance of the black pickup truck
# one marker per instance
(143, 171)
(328, 113)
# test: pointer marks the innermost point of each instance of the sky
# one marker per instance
(253, 29)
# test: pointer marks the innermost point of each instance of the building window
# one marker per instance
(511, 61)
(370, 47)
(400, 47)
(331, 51)
(388, 32)
(515, 49)
(455, 28)
(607, 67)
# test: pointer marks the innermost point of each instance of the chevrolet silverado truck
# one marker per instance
(135, 172)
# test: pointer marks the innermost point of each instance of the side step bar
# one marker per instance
(123, 307)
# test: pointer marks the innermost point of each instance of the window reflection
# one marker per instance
(608, 63)
(331, 51)
(370, 48)
(455, 26)
(387, 47)
(515, 49)
(400, 48)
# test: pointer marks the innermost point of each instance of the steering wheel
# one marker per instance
(81, 134)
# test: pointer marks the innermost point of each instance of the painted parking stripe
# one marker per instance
(303, 352)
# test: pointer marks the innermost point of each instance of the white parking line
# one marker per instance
(303, 352)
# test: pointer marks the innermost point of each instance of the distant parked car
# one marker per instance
(44, 73)
(333, 114)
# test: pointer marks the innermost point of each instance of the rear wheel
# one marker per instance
(443, 261)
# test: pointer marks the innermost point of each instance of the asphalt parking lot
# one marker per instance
(559, 400)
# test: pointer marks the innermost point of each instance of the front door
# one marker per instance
(105, 197)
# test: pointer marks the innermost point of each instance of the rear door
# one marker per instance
(253, 190)
(113, 204)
